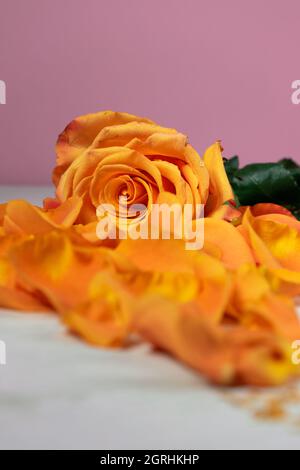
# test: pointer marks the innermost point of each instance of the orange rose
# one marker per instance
(103, 156)
(274, 237)
(224, 311)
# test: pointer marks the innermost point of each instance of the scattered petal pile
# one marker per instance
(227, 310)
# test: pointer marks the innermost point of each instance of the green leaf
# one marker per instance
(278, 183)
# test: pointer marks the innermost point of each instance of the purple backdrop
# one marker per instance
(213, 69)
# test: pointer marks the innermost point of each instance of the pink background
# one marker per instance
(211, 68)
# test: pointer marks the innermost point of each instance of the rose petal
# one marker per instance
(220, 190)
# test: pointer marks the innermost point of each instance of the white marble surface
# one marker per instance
(34, 194)
(58, 393)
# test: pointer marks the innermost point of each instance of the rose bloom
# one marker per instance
(104, 156)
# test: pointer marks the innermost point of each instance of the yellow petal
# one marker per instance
(220, 190)
(82, 131)
(21, 217)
